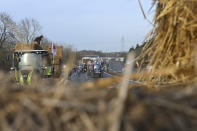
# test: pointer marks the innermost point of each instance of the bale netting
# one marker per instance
(171, 49)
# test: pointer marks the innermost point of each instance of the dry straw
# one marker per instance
(81, 108)
(117, 114)
(109, 105)
(170, 50)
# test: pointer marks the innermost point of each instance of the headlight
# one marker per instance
(44, 67)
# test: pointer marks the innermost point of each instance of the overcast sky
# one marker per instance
(86, 24)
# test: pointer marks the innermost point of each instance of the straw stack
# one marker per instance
(172, 42)
(59, 51)
(80, 109)
(29, 46)
(22, 46)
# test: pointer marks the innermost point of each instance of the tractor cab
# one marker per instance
(28, 62)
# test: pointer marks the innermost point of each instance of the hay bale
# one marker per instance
(56, 61)
(29, 46)
(22, 46)
(59, 51)
(57, 70)
(172, 42)
(78, 108)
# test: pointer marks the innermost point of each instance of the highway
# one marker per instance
(77, 78)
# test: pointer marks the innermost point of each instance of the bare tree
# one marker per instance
(28, 30)
(7, 27)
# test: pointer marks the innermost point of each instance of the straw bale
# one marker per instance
(30, 46)
(57, 70)
(56, 61)
(172, 42)
(65, 107)
(59, 51)
(21, 46)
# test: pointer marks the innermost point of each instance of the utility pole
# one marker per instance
(122, 44)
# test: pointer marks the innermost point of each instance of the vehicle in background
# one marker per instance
(75, 72)
(90, 68)
(98, 70)
(90, 58)
(31, 61)
(82, 67)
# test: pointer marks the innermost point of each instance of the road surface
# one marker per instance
(83, 77)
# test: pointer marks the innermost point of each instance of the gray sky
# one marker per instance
(86, 24)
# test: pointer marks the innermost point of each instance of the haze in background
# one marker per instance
(106, 25)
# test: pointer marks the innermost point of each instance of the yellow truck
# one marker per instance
(31, 60)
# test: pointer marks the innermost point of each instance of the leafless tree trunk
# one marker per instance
(28, 29)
